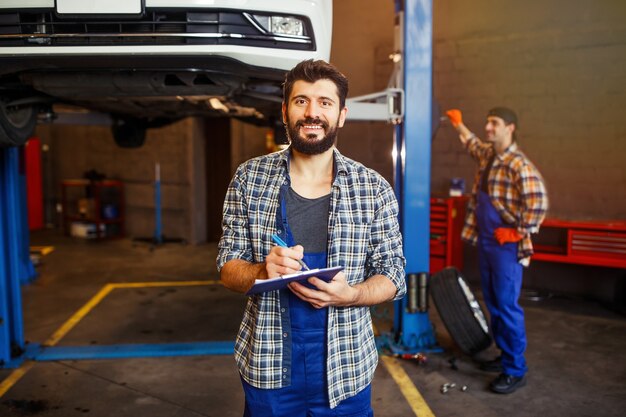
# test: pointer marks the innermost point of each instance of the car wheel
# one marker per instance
(460, 311)
(17, 122)
(129, 133)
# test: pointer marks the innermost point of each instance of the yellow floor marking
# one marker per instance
(14, 377)
(78, 316)
(42, 250)
(18, 373)
(163, 284)
(408, 389)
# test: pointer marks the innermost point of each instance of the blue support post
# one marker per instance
(413, 331)
(27, 271)
(158, 238)
(11, 265)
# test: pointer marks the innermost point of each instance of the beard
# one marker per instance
(311, 145)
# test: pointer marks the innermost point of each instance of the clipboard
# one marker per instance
(271, 284)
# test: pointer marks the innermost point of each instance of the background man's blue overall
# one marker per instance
(501, 278)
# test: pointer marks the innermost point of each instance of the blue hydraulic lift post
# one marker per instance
(27, 271)
(5, 336)
(11, 266)
(413, 166)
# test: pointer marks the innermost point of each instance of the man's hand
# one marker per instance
(455, 116)
(506, 235)
(283, 261)
(336, 292)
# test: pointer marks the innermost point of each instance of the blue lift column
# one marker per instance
(412, 327)
(13, 267)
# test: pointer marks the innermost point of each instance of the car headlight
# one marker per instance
(281, 25)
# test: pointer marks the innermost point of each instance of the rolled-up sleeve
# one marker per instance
(387, 256)
(534, 200)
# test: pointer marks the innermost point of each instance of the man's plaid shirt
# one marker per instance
(364, 238)
(516, 189)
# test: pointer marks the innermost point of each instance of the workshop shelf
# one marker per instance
(93, 209)
(598, 243)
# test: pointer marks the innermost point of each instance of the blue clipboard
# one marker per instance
(271, 284)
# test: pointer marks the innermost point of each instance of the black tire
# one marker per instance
(460, 311)
(129, 132)
(17, 122)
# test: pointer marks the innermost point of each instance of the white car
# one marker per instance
(148, 63)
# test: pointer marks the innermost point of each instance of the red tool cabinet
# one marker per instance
(599, 243)
(447, 215)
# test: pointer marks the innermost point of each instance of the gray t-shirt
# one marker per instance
(308, 220)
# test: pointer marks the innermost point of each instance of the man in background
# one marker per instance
(508, 204)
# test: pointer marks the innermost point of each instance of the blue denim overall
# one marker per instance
(307, 395)
(501, 278)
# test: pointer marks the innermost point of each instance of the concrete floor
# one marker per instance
(576, 353)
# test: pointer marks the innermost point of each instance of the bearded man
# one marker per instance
(309, 349)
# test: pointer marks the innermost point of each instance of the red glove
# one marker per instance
(455, 117)
(506, 235)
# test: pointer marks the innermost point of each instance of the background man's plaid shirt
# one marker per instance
(516, 189)
(364, 238)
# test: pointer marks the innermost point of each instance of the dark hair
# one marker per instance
(312, 71)
(507, 115)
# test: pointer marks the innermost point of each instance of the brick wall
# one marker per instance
(562, 67)
(75, 149)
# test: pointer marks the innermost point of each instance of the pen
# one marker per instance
(282, 243)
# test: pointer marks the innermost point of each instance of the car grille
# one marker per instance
(154, 27)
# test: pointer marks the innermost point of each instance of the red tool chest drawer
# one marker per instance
(447, 215)
(588, 243)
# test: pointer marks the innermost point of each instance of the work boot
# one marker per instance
(506, 384)
(494, 365)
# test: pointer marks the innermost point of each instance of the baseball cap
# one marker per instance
(505, 114)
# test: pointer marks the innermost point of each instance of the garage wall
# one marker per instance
(179, 148)
(246, 141)
(562, 67)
